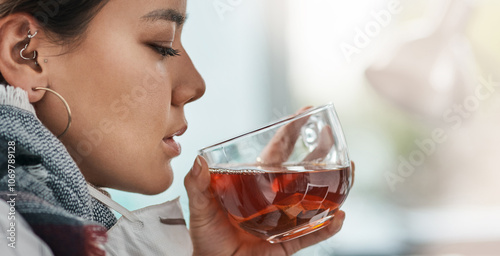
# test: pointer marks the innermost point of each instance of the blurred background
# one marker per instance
(416, 87)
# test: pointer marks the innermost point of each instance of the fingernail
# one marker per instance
(196, 167)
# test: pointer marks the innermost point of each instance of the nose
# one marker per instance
(188, 85)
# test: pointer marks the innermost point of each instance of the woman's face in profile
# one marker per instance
(127, 82)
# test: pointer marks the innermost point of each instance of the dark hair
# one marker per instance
(64, 21)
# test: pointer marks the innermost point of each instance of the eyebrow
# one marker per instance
(165, 14)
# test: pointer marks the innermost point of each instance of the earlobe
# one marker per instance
(18, 55)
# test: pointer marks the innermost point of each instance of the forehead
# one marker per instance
(136, 10)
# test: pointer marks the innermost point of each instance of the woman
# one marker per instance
(122, 70)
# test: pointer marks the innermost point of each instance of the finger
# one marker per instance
(316, 237)
(353, 167)
(325, 143)
(197, 183)
(302, 110)
(281, 145)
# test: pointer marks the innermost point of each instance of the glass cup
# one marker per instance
(284, 180)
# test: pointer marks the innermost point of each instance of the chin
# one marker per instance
(158, 183)
(157, 188)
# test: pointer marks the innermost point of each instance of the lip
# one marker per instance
(172, 147)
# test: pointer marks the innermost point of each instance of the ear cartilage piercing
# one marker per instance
(24, 49)
(30, 36)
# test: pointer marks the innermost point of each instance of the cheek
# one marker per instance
(119, 123)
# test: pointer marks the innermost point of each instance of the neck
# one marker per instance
(16, 97)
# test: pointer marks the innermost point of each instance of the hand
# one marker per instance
(211, 231)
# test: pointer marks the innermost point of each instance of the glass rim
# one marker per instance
(280, 122)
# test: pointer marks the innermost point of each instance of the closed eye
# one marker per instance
(166, 51)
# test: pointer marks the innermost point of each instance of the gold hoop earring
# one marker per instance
(65, 104)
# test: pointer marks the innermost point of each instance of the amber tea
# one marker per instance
(281, 202)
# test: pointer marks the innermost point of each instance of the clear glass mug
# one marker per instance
(284, 180)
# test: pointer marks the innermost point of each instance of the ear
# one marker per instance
(18, 72)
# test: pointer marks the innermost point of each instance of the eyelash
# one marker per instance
(166, 51)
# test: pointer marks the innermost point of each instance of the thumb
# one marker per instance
(197, 183)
